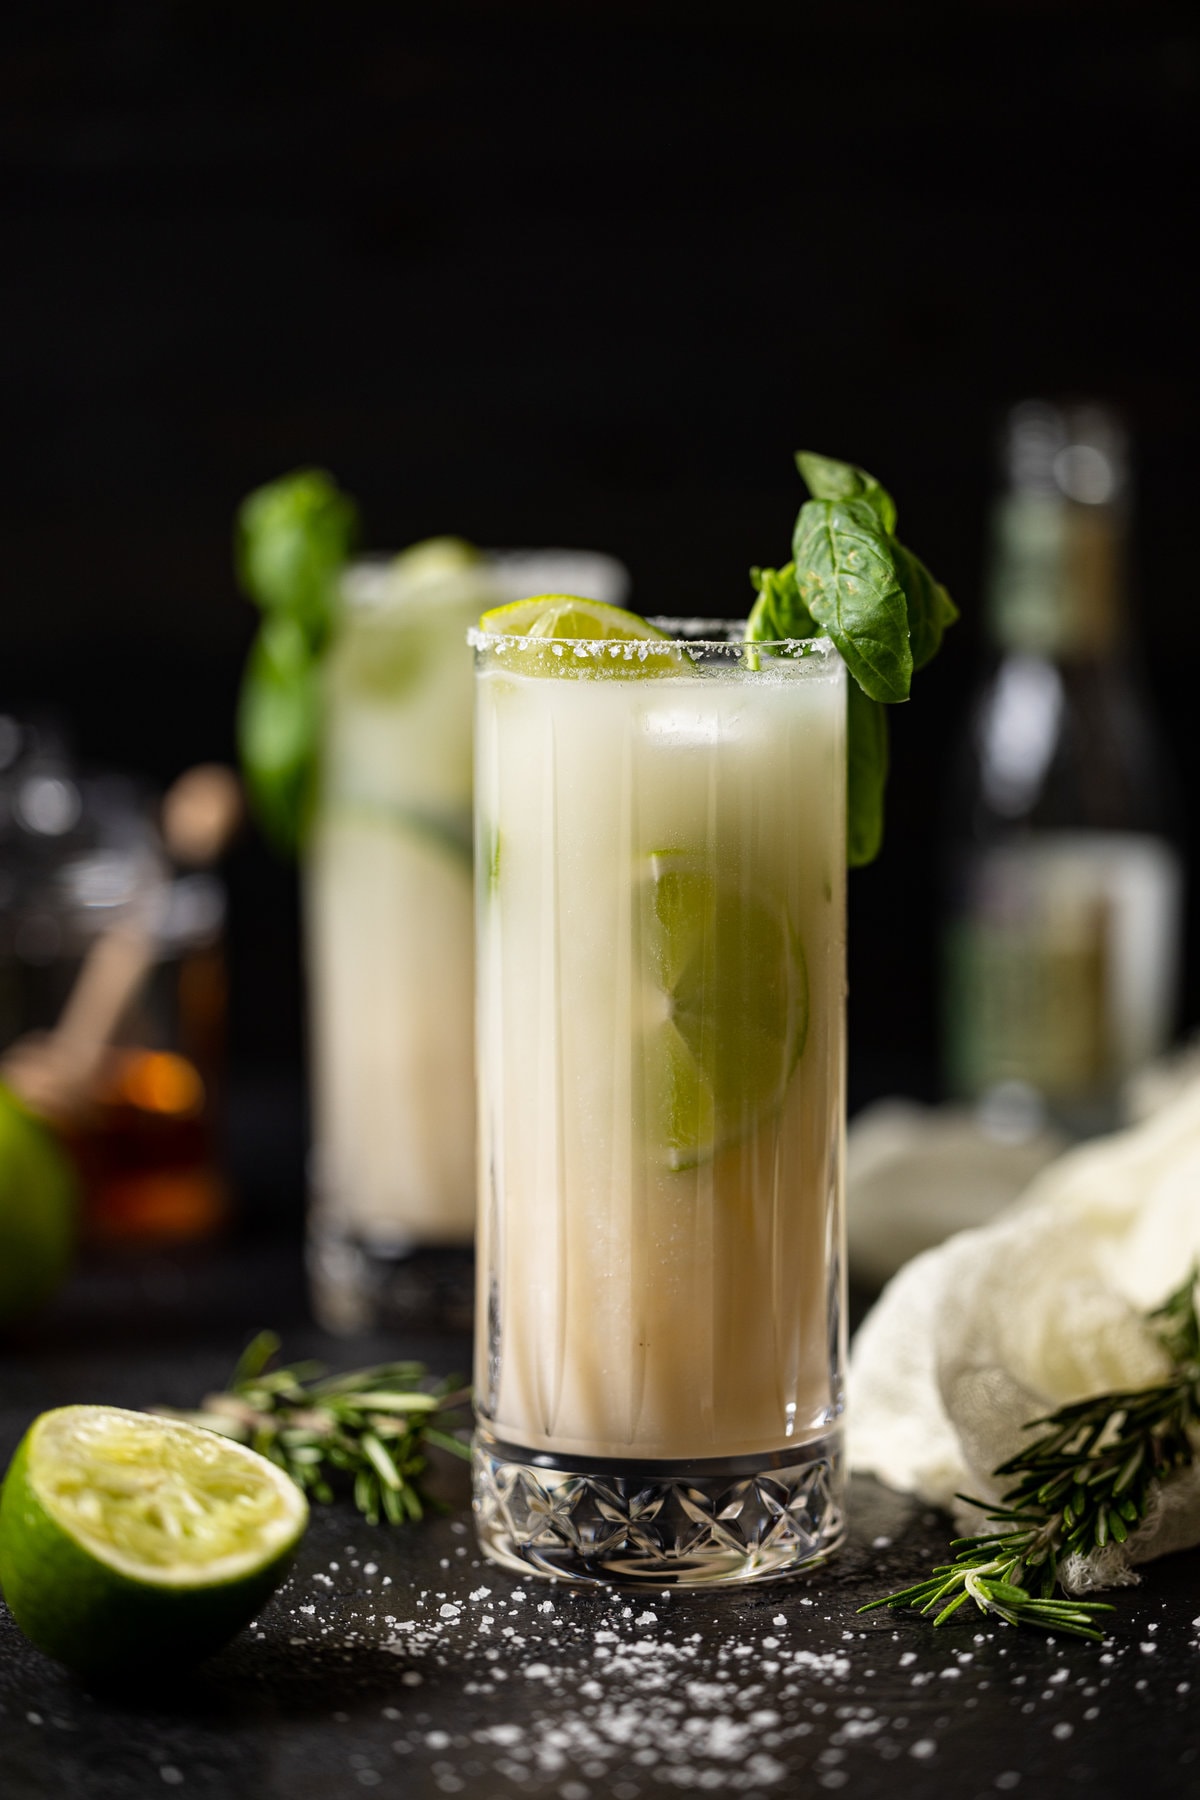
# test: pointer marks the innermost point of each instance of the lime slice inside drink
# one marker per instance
(726, 1008)
(129, 1542)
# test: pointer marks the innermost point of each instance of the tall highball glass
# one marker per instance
(660, 905)
(390, 933)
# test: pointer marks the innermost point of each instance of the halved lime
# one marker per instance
(549, 620)
(129, 1542)
(726, 1007)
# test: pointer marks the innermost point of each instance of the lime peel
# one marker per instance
(128, 1541)
(568, 617)
(606, 640)
(39, 1204)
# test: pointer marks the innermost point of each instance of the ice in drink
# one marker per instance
(661, 907)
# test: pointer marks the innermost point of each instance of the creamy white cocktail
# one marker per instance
(390, 936)
(661, 907)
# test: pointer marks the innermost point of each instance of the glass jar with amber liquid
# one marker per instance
(82, 866)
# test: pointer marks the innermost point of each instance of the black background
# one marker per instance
(579, 274)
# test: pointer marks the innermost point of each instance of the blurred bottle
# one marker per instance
(1062, 943)
(80, 855)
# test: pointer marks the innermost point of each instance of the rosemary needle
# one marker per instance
(1084, 1482)
(368, 1429)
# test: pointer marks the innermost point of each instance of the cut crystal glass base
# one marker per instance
(668, 1524)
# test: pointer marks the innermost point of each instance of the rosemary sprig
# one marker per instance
(370, 1427)
(1085, 1482)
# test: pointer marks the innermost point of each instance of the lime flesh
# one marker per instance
(726, 1008)
(567, 616)
(625, 644)
(129, 1542)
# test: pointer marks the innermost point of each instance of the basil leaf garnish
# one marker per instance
(277, 726)
(846, 576)
(853, 581)
(930, 608)
(292, 540)
(830, 480)
(866, 775)
(779, 611)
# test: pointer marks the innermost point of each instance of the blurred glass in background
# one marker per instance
(1062, 941)
(84, 864)
(388, 894)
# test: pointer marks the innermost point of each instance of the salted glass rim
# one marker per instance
(683, 634)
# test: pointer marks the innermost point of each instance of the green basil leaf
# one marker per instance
(277, 722)
(830, 480)
(930, 608)
(846, 577)
(866, 775)
(292, 538)
(779, 611)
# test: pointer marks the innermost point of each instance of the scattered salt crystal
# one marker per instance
(370, 1568)
(923, 1749)
(779, 1619)
(449, 1611)
(1063, 1729)
(480, 1593)
(647, 1618)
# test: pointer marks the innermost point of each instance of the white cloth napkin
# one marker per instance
(1038, 1308)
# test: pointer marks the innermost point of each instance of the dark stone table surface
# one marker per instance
(395, 1661)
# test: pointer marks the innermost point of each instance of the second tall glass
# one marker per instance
(390, 940)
